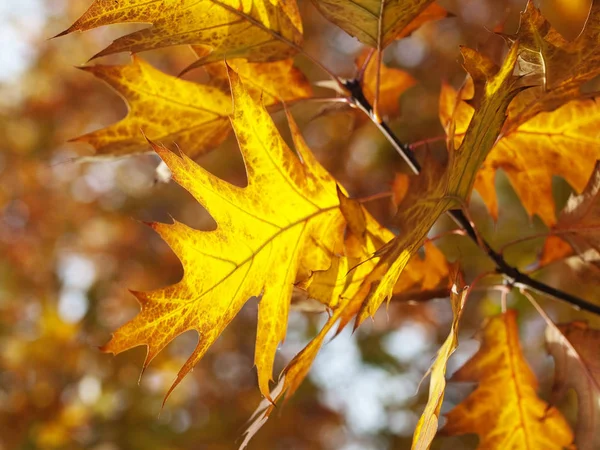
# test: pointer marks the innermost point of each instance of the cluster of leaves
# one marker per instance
(293, 230)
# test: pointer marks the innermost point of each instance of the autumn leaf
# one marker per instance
(574, 347)
(258, 30)
(392, 83)
(562, 66)
(377, 23)
(428, 422)
(563, 142)
(438, 189)
(193, 116)
(504, 410)
(268, 232)
(285, 229)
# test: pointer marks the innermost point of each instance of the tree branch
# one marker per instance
(510, 273)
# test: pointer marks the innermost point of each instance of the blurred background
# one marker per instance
(72, 244)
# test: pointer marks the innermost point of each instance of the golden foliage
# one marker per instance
(504, 410)
(290, 226)
(193, 116)
(293, 229)
(258, 30)
(275, 229)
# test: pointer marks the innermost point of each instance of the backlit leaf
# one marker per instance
(578, 227)
(504, 410)
(277, 227)
(428, 422)
(191, 115)
(258, 30)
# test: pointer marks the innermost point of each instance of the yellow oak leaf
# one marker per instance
(191, 115)
(436, 189)
(428, 422)
(574, 347)
(258, 30)
(392, 83)
(377, 23)
(271, 82)
(564, 142)
(268, 232)
(504, 409)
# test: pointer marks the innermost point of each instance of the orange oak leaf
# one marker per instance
(258, 30)
(563, 142)
(504, 409)
(377, 23)
(191, 115)
(428, 422)
(575, 348)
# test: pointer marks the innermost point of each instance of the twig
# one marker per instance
(512, 274)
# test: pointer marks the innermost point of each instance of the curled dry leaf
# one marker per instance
(428, 422)
(193, 116)
(575, 348)
(564, 142)
(562, 66)
(541, 132)
(258, 30)
(504, 409)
